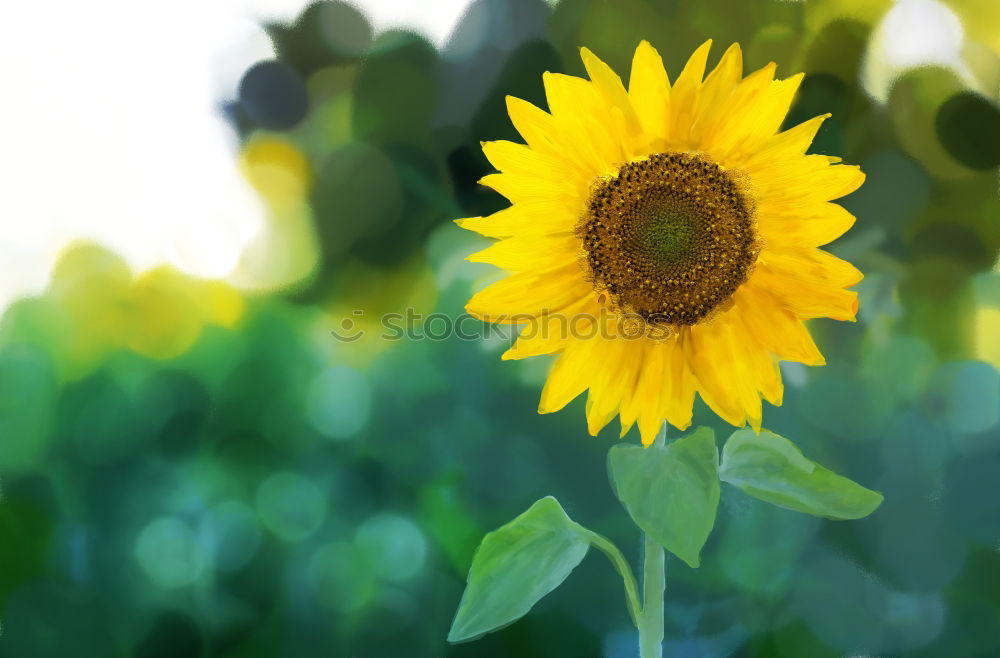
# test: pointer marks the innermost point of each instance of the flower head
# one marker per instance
(664, 239)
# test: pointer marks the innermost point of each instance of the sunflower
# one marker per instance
(663, 240)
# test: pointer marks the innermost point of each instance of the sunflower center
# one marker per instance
(670, 237)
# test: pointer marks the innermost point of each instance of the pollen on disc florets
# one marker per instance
(670, 237)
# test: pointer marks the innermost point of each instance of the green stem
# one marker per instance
(621, 565)
(654, 584)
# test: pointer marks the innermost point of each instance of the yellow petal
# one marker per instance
(570, 375)
(813, 265)
(787, 144)
(584, 117)
(762, 365)
(531, 188)
(597, 415)
(530, 252)
(714, 363)
(520, 297)
(775, 327)
(546, 135)
(724, 77)
(668, 388)
(719, 85)
(762, 118)
(610, 87)
(805, 179)
(535, 125)
(809, 282)
(552, 331)
(811, 226)
(678, 393)
(649, 91)
(534, 217)
(729, 128)
(521, 160)
(684, 94)
(617, 368)
(645, 393)
(748, 372)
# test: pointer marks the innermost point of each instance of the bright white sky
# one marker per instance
(111, 132)
(913, 33)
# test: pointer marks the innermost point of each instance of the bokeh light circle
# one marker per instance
(273, 95)
(968, 126)
(290, 505)
(339, 402)
(394, 546)
(169, 552)
(232, 530)
(341, 577)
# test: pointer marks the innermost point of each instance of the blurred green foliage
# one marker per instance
(191, 471)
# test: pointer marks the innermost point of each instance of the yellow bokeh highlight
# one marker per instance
(987, 331)
(165, 319)
(220, 304)
(91, 285)
(980, 20)
(277, 170)
(159, 314)
(285, 251)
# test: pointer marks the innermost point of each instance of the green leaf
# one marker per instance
(516, 565)
(771, 468)
(672, 491)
